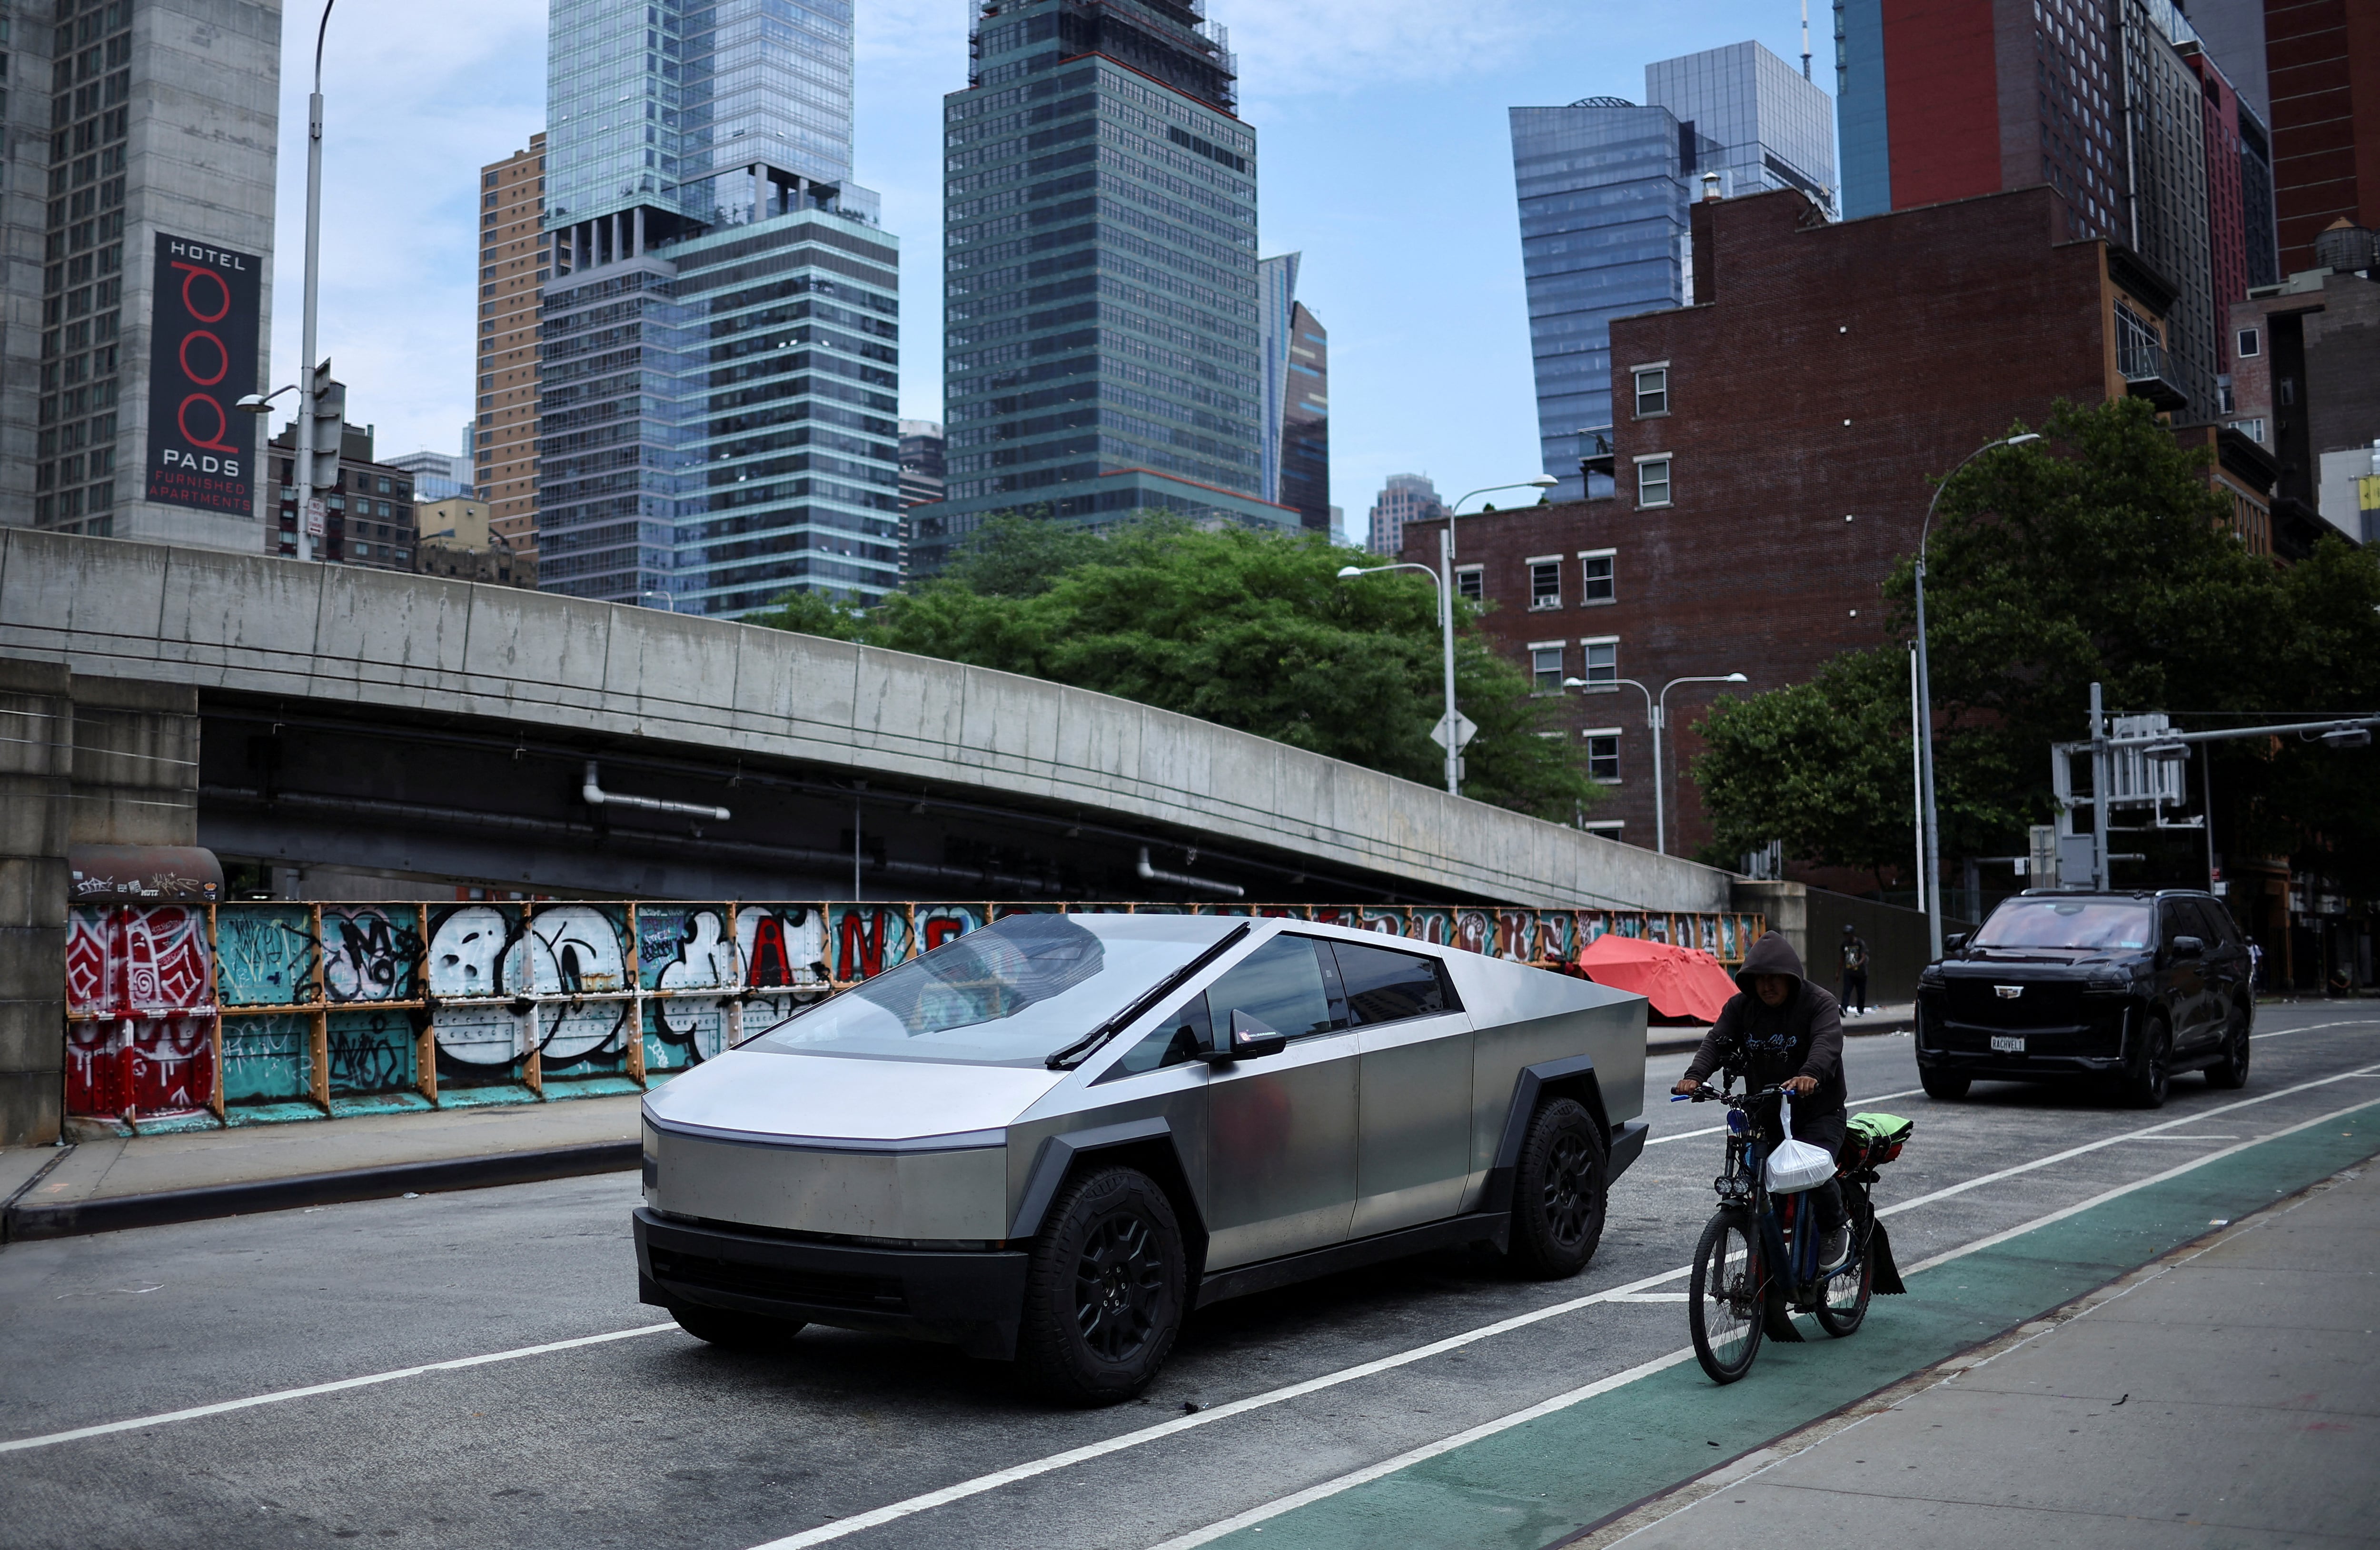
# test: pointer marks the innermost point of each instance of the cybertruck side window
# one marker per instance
(1282, 986)
(1178, 1038)
(1385, 985)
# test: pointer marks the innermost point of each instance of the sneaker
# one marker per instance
(1835, 1251)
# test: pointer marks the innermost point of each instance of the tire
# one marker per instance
(1104, 1292)
(1722, 1311)
(1947, 1086)
(2232, 1070)
(736, 1331)
(1842, 1304)
(1559, 1191)
(2152, 1075)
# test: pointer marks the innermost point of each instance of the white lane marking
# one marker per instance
(2185, 1138)
(17, 1445)
(1653, 1297)
(2316, 1026)
(1879, 1098)
(2072, 1152)
(1427, 1450)
(1348, 1482)
(894, 1511)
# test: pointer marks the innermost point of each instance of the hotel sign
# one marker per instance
(207, 317)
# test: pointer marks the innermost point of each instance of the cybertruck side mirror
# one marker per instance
(1246, 1040)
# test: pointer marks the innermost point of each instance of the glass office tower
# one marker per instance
(1604, 185)
(718, 421)
(1099, 231)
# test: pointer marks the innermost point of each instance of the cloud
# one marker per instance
(1290, 48)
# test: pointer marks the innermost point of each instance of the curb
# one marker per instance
(23, 1223)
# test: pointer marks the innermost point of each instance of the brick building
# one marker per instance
(515, 263)
(1774, 443)
(2307, 388)
(368, 517)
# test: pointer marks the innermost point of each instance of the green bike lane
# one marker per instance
(1550, 1471)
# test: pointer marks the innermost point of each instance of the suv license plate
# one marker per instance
(2003, 1044)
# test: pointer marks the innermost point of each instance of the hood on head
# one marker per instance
(1771, 955)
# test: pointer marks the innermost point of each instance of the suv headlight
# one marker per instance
(2110, 980)
(1932, 979)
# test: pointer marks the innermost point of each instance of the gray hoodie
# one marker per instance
(1772, 1044)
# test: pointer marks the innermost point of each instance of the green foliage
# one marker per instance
(813, 614)
(1249, 631)
(2096, 554)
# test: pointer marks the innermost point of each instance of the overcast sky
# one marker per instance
(1382, 154)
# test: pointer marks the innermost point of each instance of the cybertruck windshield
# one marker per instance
(1010, 995)
(2068, 924)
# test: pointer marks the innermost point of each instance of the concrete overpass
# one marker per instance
(371, 724)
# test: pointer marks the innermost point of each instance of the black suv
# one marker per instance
(2132, 987)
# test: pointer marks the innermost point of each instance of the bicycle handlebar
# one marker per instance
(1706, 1094)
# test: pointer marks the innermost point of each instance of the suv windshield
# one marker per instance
(1010, 995)
(2075, 924)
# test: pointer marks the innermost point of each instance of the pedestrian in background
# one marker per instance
(1854, 969)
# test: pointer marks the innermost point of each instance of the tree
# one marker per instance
(1248, 630)
(2098, 555)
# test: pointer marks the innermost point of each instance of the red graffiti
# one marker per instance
(138, 982)
(860, 950)
(770, 965)
(942, 929)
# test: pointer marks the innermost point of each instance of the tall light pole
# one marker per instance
(1656, 720)
(1543, 482)
(1443, 580)
(1930, 863)
(308, 382)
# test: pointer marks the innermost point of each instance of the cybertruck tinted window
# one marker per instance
(1385, 985)
(1010, 995)
(2096, 925)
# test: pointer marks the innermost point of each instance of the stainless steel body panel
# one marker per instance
(1282, 1150)
(1414, 1159)
(765, 1092)
(909, 1195)
(1177, 1094)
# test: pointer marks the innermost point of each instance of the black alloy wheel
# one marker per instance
(1105, 1291)
(1723, 1296)
(2152, 1074)
(733, 1331)
(1559, 1191)
(2232, 1070)
(1842, 1301)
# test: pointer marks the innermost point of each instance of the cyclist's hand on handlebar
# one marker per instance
(1687, 1086)
(1803, 1084)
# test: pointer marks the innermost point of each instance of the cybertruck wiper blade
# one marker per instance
(1088, 1044)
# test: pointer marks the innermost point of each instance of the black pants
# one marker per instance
(1855, 996)
(1825, 1131)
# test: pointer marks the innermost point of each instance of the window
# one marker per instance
(1602, 659)
(1603, 754)
(1546, 665)
(2252, 429)
(1652, 390)
(1652, 481)
(1282, 984)
(1599, 584)
(2224, 402)
(2251, 343)
(1545, 581)
(1608, 828)
(1385, 985)
(1469, 583)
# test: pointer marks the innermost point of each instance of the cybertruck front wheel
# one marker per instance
(1105, 1291)
(1559, 1191)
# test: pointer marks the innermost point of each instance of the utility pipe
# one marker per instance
(1151, 875)
(591, 792)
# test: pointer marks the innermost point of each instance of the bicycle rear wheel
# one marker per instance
(1842, 1301)
(1723, 1296)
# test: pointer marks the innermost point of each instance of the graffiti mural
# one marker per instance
(323, 1005)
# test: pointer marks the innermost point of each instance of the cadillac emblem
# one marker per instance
(2008, 993)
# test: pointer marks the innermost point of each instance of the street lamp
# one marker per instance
(1930, 863)
(1445, 586)
(1543, 482)
(309, 373)
(1656, 721)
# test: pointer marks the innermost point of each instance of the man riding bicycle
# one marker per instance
(1779, 1029)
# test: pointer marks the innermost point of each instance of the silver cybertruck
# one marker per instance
(1051, 1139)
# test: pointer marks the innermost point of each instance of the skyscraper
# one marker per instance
(514, 261)
(1276, 301)
(720, 334)
(1604, 185)
(1101, 273)
(2115, 105)
(1306, 423)
(137, 226)
(1406, 497)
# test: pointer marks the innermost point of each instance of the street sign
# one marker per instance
(1464, 730)
(315, 518)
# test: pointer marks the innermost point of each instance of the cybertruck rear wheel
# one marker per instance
(1558, 1191)
(1105, 1292)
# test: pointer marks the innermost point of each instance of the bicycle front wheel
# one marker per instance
(1723, 1297)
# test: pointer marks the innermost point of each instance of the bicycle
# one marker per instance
(1756, 1262)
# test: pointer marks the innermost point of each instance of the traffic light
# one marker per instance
(327, 401)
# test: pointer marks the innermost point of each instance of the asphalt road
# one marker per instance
(654, 1440)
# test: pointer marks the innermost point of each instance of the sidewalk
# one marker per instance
(2230, 1399)
(141, 1181)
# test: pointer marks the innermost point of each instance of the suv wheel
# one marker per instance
(736, 1331)
(2152, 1072)
(1559, 1191)
(2232, 1069)
(1945, 1086)
(1104, 1292)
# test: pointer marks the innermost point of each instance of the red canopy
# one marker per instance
(1679, 981)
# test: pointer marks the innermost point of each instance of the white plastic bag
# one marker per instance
(1796, 1165)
